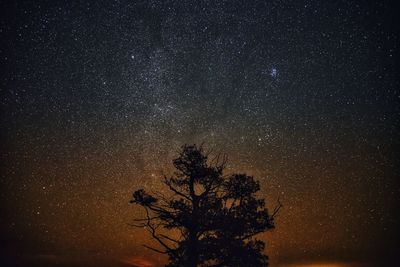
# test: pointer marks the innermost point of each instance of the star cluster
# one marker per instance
(98, 97)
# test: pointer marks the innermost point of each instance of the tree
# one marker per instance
(217, 216)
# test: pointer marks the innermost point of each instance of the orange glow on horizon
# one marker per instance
(322, 264)
(138, 262)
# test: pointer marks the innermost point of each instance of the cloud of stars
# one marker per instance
(98, 97)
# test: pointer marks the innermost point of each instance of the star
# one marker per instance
(273, 73)
(98, 97)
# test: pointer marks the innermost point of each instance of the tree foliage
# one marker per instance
(217, 216)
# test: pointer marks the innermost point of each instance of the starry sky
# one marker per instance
(97, 97)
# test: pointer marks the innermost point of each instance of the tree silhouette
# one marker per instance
(217, 217)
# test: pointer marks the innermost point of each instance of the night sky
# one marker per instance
(97, 97)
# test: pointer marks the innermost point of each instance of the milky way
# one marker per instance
(97, 98)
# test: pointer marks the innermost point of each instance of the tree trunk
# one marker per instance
(193, 250)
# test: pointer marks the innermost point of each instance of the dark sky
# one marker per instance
(98, 96)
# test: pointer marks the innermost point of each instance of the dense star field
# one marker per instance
(97, 97)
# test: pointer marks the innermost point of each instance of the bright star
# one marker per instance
(274, 72)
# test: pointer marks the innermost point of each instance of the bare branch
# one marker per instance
(251, 234)
(137, 225)
(208, 152)
(168, 183)
(156, 250)
(141, 220)
(276, 209)
(169, 238)
(153, 232)
(160, 196)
